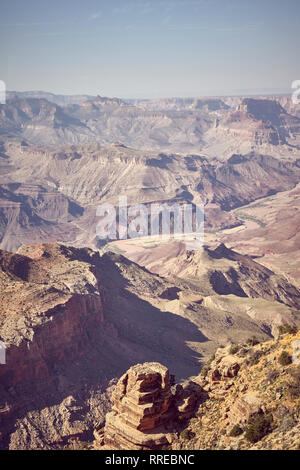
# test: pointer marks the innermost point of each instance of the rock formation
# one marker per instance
(245, 407)
(52, 194)
(73, 320)
(174, 125)
(145, 411)
(255, 407)
(142, 409)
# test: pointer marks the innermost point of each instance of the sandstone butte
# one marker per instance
(146, 409)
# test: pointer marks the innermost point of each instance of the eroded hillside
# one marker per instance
(73, 320)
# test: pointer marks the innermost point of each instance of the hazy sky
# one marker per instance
(153, 48)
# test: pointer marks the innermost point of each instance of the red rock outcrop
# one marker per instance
(142, 409)
(65, 325)
(245, 407)
(51, 322)
(145, 410)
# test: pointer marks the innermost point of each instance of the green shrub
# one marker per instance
(233, 349)
(185, 434)
(258, 427)
(253, 341)
(286, 328)
(204, 371)
(294, 387)
(284, 359)
(182, 421)
(254, 358)
(236, 431)
(76, 444)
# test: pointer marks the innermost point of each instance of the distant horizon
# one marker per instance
(196, 96)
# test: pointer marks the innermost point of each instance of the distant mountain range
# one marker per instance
(214, 127)
(61, 100)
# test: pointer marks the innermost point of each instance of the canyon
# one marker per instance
(108, 342)
(216, 126)
(72, 321)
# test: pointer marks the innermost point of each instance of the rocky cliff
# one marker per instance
(51, 323)
(145, 412)
(72, 321)
(253, 399)
(142, 409)
(248, 397)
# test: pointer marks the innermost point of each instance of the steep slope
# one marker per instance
(224, 271)
(246, 398)
(270, 231)
(39, 121)
(256, 407)
(267, 119)
(228, 281)
(31, 213)
(256, 124)
(72, 321)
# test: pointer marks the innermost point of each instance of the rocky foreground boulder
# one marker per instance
(146, 409)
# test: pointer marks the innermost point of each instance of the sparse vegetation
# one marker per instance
(272, 375)
(294, 387)
(287, 423)
(285, 358)
(287, 329)
(185, 434)
(113, 249)
(253, 341)
(76, 444)
(236, 431)
(254, 358)
(204, 371)
(258, 427)
(234, 348)
(244, 217)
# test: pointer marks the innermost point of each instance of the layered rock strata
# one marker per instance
(142, 409)
(146, 410)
